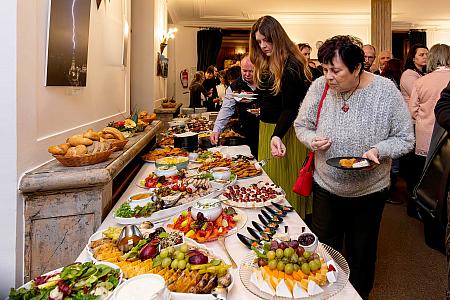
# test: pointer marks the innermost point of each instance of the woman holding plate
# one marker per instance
(363, 115)
(282, 77)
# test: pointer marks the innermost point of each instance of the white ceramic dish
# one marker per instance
(313, 246)
(28, 285)
(221, 173)
(143, 287)
(156, 216)
(140, 202)
(211, 212)
(166, 171)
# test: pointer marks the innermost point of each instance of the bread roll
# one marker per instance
(115, 132)
(76, 140)
(77, 151)
(60, 149)
(91, 134)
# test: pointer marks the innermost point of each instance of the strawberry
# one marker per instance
(331, 268)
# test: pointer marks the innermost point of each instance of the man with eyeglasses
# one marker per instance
(369, 57)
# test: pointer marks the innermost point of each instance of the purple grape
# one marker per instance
(293, 244)
(283, 245)
(274, 245)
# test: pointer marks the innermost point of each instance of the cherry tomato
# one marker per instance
(189, 190)
(182, 188)
(175, 187)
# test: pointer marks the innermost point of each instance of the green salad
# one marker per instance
(77, 281)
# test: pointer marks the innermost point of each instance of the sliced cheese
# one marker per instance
(282, 290)
(331, 276)
(314, 288)
(299, 292)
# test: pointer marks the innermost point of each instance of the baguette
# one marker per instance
(115, 132)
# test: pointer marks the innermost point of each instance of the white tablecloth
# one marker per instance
(237, 250)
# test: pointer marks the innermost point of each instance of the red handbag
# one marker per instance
(303, 184)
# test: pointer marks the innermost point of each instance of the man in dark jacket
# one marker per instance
(248, 122)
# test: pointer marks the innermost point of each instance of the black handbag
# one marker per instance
(431, 193)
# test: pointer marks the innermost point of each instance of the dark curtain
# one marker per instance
(209, 42)
(417, 37)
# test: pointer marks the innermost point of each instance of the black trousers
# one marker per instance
(352, 223)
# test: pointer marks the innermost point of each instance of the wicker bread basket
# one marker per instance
(84, 159)
(118, 144)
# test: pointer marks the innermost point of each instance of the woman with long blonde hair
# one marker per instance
(282, 76)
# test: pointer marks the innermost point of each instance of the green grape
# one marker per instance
(306, 254)
(285, 260)
(171, 250)
(179, 256)
(280, 266)
(164, 253)
(174, 264)
(184, 248)
(279, 253)
(305, 268)
(271, 255)
(313, 266)
(166, 262)
(188, 266)
(181, 264)
(296, 267)
(288, 252)
(294, 258)
(289, 269)
(273, 264)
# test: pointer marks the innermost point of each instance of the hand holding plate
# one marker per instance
(372, 154)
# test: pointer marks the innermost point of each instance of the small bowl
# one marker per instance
(311, 247)
(211, 212)
(221, 173)
(153, 285)
(166, 171)
(128, 238)
(140, 199)
(180, 162)
(193, 156)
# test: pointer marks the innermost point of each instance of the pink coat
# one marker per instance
(407, 81)
(425, 93)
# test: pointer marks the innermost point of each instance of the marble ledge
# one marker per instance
(54, 176)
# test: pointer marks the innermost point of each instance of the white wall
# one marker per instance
(435, 36)
(311, 33)
(182, 55)
(149, 23)
(47, 115)
(8, 159)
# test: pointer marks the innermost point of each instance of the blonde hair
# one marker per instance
(439, 56)
(282, 47)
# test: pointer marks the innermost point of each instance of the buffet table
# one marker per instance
(237, 250)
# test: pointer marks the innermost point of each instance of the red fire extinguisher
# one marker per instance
(184, 78)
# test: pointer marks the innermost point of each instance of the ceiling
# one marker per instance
(406, 14)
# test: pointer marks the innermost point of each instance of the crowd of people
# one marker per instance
(374, 107)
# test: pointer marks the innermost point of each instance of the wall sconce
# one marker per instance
(166, 37)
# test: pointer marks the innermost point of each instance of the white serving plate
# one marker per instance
(28, 285)
(155, 217)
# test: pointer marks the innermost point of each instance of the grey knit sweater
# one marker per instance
(378, 117)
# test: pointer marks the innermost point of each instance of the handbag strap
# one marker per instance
(325, 90)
